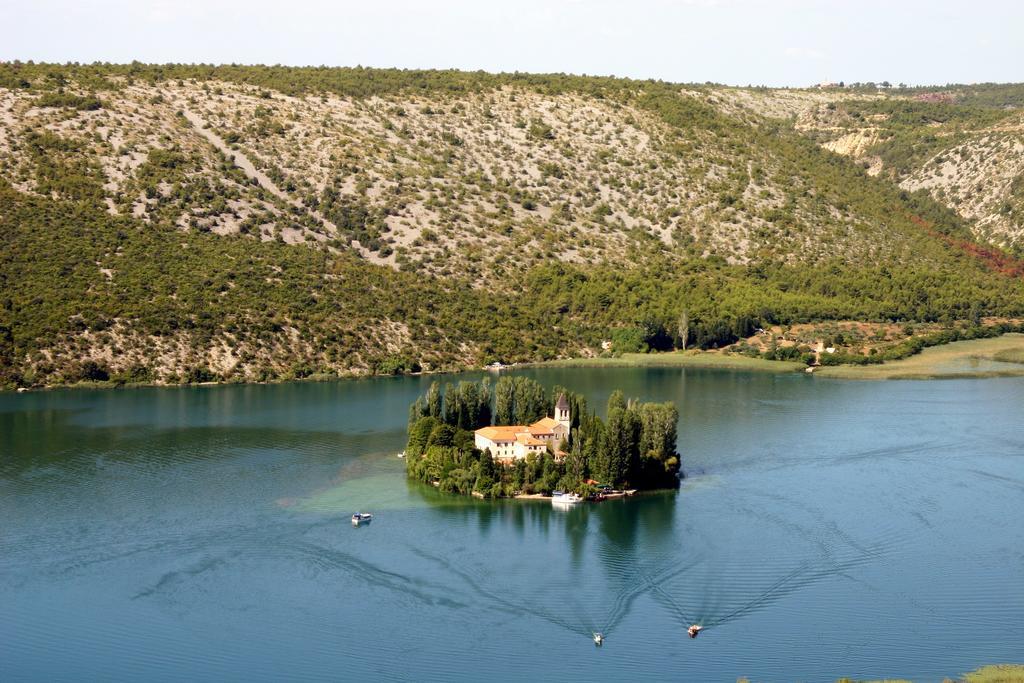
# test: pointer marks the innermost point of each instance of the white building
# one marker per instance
(509, 443)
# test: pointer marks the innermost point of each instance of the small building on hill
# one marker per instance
(508, 443)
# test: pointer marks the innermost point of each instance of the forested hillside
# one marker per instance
(964, 145)
(191, 223)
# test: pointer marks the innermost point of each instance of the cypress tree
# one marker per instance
(433, 404)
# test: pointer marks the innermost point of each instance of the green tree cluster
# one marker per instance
(634, 447)
(519, 401)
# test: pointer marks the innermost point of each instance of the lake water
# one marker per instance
(826, 529)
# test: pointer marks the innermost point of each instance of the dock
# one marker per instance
(611, 495)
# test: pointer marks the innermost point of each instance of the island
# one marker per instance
(516, 439)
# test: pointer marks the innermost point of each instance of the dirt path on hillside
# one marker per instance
(239, 158)
(243, 162)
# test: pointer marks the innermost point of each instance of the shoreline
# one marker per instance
(109, 385)
(986, 358)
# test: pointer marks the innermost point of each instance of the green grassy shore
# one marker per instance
(689, 359)
(998, 357)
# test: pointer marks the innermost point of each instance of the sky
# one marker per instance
(737, 42)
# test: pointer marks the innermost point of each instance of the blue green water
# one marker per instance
(826, 529)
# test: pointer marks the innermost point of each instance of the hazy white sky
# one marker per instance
(771, 42)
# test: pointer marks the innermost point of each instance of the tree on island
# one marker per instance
(634, 447)
(519, 401)
(466, 406)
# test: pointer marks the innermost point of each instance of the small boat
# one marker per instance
(694, 630)
(361, 518)
(598, 639)
(402, 454)
(561, 497)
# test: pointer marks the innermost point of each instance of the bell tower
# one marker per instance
(562, 411)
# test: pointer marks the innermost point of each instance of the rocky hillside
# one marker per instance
(456, 184)
(192, 223)
(963, 145)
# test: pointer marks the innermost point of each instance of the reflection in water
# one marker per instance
(566, 588)
(204, 534)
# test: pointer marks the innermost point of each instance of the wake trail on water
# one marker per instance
(722, 584)
(493, 598)
(684, 617)
(560, 602)
(475, 583)
(722, 597)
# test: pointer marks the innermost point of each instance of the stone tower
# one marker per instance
(562, 411)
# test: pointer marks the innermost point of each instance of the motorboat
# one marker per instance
(361, 518)
(598, 639)
(565, 498)
(694, 630)
(402, 454)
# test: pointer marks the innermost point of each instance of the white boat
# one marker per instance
(598, 639)
(402, 454)
(361, 518)
(565, 498)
